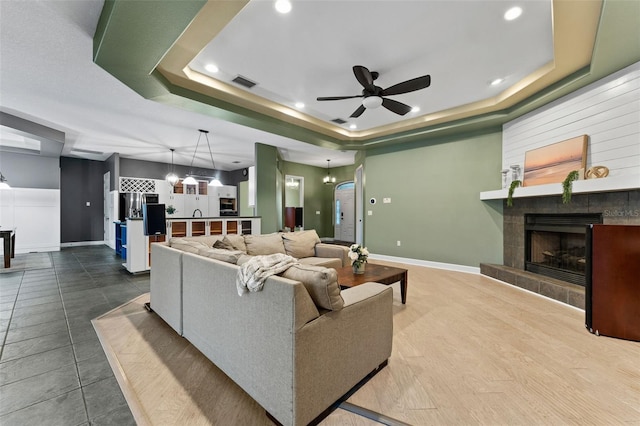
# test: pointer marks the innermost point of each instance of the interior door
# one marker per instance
(344, 228)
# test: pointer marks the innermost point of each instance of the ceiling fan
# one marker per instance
(374, 95)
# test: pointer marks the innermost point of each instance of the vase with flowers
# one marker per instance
(358, 256)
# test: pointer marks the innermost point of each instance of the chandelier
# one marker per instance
(171, 177)
(190, 180)
(328, 179)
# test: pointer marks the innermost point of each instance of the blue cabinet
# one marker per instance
(121, 240)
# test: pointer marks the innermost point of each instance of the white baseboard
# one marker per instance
(83, 243)
(428, 263)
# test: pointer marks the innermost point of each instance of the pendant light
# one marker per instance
(171, 177)
(328, 179)
(214, 181)
(190, 180)
(3, 182)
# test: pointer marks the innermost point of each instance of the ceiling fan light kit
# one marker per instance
(375, 96)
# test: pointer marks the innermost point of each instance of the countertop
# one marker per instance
(211, 217)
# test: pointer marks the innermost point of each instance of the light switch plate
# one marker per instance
(386, 200)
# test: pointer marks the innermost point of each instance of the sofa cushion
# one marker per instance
(223, 244)
(229, 256)
(264, 244)
(300, 244)
(327, 262)
(237, 241)
(321, 284)
(208, 240)
(190, 246)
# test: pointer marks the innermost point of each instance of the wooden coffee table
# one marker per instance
(376, 273)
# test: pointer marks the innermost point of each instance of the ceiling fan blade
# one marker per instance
(336, 98)
(357, 113)
(408, 86)
(364, 77)
(395, 106)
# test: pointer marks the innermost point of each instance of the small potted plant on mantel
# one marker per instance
(567, 186)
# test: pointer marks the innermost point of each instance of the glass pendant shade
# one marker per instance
(189, 180)
(215, 182)
(171, 177)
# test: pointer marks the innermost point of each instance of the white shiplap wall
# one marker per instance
(608, 111)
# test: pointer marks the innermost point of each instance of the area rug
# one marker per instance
(165, 380)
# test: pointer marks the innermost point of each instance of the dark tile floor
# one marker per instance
(52, 368)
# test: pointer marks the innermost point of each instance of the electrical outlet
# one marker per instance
(398, 243)
(369, 213)
(317, 211)
(88, 203)
(386, 200)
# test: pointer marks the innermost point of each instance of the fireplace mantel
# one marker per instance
(608, 184)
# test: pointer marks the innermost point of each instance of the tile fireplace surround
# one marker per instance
(617, 208)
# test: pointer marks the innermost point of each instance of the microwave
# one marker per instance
(228, 207)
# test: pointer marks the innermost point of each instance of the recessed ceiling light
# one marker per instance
(211, 68)
(353, 126)
(496, 81)
(415, 109)
(299, 105)
(513, 13)
(283, 6)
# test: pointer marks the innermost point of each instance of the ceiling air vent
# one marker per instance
(339, 121)
(243, 81)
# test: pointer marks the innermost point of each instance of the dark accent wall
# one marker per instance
(155, 170)
(81, 182)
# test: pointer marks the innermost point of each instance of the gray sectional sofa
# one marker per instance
(298, 345)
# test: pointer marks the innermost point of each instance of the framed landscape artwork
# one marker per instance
(552, 163)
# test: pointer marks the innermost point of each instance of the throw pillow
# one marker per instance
(320, 282)
(300, 244)
(264, 244)
(229, 256)
(223, 244)
(187, 245)
(237, 241)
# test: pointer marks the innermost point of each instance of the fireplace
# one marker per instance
(555, 245)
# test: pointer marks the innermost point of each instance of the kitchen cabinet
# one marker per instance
(196, 202)
(214, 205)
(177, 201)
(139, 246)
(121, 240)
(189, 227)
(227, 191)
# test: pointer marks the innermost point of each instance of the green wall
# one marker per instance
(267, 208)
(435, 208)
(318, 197)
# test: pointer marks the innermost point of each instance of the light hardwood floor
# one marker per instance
(467, 350)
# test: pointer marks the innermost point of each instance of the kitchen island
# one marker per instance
(138, 246)
(218, 225)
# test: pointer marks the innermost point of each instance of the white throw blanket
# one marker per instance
(252, 274)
